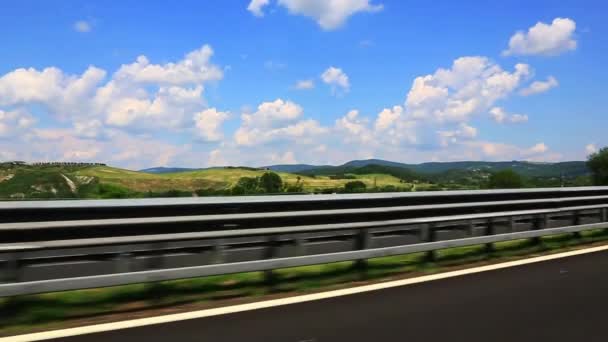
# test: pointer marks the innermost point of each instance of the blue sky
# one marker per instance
(200, 83)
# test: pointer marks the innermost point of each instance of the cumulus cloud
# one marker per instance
(62, 93)
(502, 151)
(256, 7)
(208, 123)
(537, 149)
(470, 86)
(139, 96)
(168, 108)
(15, 122)
(591, 148)
(216, 158)
(277, 120)
(336, 78)
(393, 127)
(544, 39)
(304, 85)
(194, 68)
(464, 131)
(500, 116)
(88, 129)
(538, 87)
(354, 128)
(82, 26)
(286, 158)
(329, 14)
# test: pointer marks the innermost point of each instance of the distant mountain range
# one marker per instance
(529, 169)
(162, 169)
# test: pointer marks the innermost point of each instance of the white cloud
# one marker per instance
(329, 14)
(270, 114)
(140, 95)
(544, 39)
(61, 93)
(354, 128)
(88, 129)
(501, 151)
(538, 87)
(500, 116)
(256, 7)
(168, 108)
(216, 158)
(285, 158)
(277, 120)
(15, 122)
(82, 26)
(464, 131)
(305, 85)
(208, 123)
(537, 149)
(336, 78)
(195, 68)
(590, 149)
(387, 117)
(471, 86)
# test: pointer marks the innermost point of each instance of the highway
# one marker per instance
(558, 300)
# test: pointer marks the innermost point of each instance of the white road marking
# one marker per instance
(284, 301)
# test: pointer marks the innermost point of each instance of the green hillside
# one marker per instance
(44, 182)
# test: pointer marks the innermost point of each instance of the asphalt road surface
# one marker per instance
(558, 300)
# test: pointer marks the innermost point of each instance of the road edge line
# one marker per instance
(140, 322)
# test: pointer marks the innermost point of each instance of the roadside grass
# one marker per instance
(24, 314)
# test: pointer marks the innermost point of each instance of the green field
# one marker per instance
(22, 182)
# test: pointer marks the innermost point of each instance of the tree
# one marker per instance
(271, 183)
(354, 186)
(505, 179)
(246, 186)
(598, 164)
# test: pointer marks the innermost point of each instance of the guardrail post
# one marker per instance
(471, 228)
(511, 224)
(363, 241)
(490, 231)
(159, 262)
(428, 234)
(122, 263)
(299, 246)
(218, 252)
(538, 222)
(12, 272)
(576, 220)
(271, 251)
(604, 214)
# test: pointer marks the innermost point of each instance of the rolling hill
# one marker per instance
(24, 182)
(42, 182)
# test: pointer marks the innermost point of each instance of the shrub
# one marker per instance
(355, 186)
(271, 183)
(598, 164)
(505, 179)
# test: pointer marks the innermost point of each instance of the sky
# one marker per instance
(260, 82)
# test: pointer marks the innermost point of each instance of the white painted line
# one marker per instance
(284, 301)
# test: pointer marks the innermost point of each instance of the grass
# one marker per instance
(109, 182)
(55, 310)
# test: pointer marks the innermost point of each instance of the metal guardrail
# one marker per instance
(44, 256)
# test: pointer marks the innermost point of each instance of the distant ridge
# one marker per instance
(294, 168)
(162, 169)
(525, 168)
